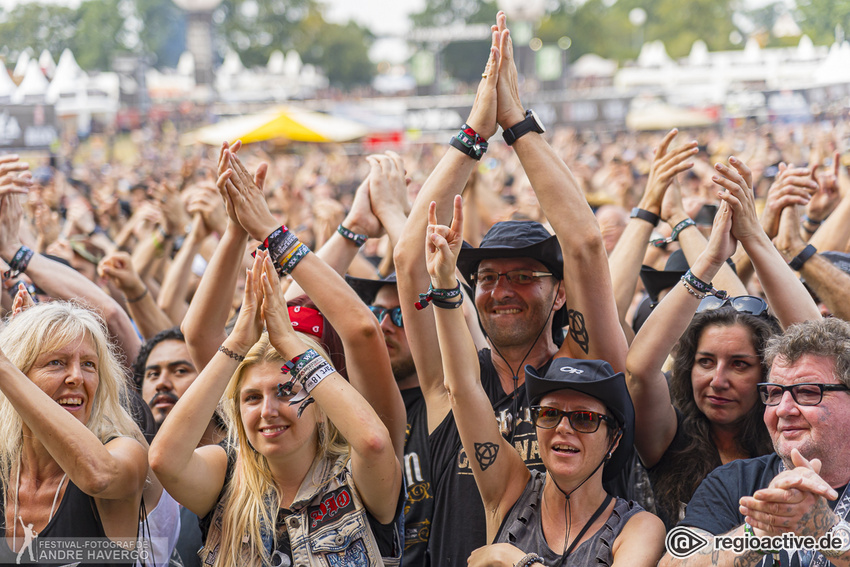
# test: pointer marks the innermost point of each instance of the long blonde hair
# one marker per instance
(48, 327)
(251, 498)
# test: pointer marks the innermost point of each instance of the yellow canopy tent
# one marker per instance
(282, 122)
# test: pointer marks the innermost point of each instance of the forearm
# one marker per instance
(830, 284)
(693, 243)
(787, 296)
(707, 556)
(337, 253)
(148, 317)
(834, 233)
(145, 254)
(172, 294)
(204, 323)
(625, 262)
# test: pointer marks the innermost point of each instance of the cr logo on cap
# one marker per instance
(571, 370)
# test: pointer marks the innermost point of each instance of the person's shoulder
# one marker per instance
(756, 466)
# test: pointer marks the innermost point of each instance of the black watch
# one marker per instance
(531, 123)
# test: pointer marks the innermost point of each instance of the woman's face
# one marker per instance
(725, 373)
(568, 453)
(70, 376)
(271, 424)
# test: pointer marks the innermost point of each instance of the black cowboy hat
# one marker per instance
(518, 239)
(656, 281)
(595, 378)
(367, 289)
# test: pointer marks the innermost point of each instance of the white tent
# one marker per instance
(276, 62)
(69, 77)
(47, 64)
(23, 63)
(654, 54)
(592, 65)
(7, 85)
(34, 83)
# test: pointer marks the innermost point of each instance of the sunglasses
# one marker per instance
(743, 303)
(581, 421)
(487, 279)
(807, 394)
(394, 313)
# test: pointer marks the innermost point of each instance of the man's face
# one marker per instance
(395, 337)
(513, 314)
(816, 431)
(168, 374)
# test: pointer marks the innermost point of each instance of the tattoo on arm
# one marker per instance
(578, 330)
(485, 454)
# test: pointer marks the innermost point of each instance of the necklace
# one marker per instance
(17, 490)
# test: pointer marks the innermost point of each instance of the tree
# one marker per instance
(98, 34)
(818, 18)
(39, 26)
(342, 51)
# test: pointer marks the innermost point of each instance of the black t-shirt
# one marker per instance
(714, 505)
(417, 476)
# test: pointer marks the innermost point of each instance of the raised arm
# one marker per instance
(207, 316)
(446, 181)
(63, 282)
(141, 305)
(627, 257)
(375, 468)
(500, 473)
(367, 359)
(655, 419)
(787, 297)
(595, 330)
(194, 475)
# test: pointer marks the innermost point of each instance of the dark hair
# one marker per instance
(680, 472)
(173, 334)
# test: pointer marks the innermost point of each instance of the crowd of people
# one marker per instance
(563, 349)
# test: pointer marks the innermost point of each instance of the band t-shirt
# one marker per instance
(419, 506)
(714, 505)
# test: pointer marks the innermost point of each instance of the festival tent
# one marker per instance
(283, 123)
(7, 85)
(663, 116)
(34, 84)
(68, 78)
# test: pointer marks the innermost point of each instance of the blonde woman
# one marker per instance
(299, 483)
(72, 461)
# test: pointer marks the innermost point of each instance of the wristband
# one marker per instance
(797, 262)
(140, 297)
(278, 243)
(469, 142)
(528, 560)
(358, 239)
(19, 262)
(231, 354)
(439, 295)
(663, 242)
(643, 214)
(808, 219)
(288, 264)
(692, 291)
(473, 151)
(702, 287)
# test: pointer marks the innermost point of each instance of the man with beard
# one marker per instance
(162, 372)
(525, 293)
(382, 298)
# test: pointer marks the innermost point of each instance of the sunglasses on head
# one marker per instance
(743, 303)
(394, 313)
(581, 421)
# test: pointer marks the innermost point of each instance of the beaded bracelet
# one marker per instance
(358, 239)
(674, 236)
(438, 297)
(528, 560)
(693, 292)
(19, 262)
(703, 287)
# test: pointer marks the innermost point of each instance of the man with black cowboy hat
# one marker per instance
(382, 298)
(521, 283)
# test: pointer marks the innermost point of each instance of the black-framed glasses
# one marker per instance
(805, 394)
(489, 278)
(743, 303)
(394, 313)
(581, 421)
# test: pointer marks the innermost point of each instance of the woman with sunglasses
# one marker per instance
(710, 413)
(585, 423)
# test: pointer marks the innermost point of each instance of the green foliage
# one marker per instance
(818, 18)
(343, 52)
(39, 26)
(255, 28)
(97, 34)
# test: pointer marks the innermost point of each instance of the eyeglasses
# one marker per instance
(743, 303)
(394, 313)
(807, 394)
(489, 278)
(581, 421)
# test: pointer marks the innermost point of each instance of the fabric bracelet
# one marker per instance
(358, 239)
(437, 294)
(292, 260)
(674, 236)
(468, 141)
(797, 262)
(703, 287)
(278, 243)
(19, 262)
